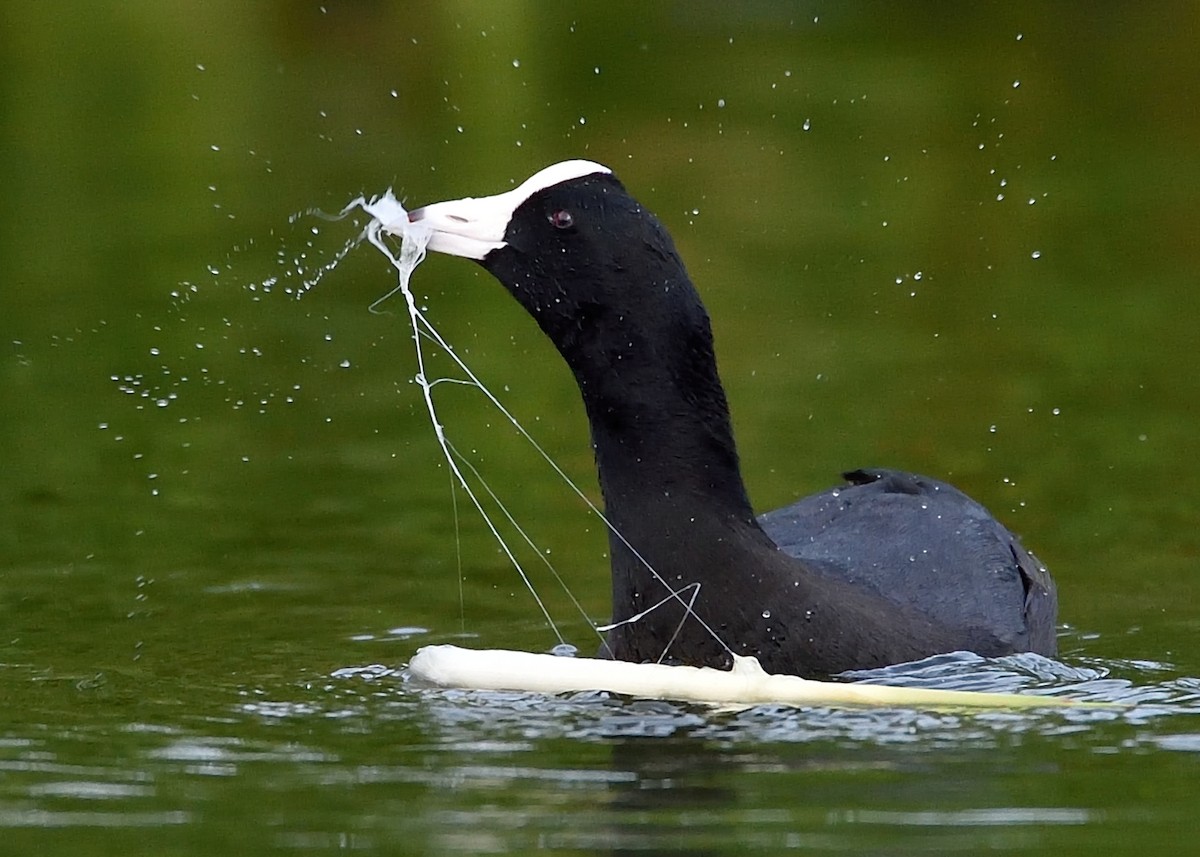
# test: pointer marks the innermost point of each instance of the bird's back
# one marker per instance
(923, 544)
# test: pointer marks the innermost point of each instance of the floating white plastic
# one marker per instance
(746, 684)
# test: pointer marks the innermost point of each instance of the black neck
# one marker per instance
(668, 469)
(662, 435)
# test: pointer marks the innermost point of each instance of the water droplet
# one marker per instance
(766, 614)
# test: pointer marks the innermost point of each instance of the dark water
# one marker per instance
(958, 240)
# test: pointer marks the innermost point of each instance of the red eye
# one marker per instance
(562, 219)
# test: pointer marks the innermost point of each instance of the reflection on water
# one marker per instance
(471, 772)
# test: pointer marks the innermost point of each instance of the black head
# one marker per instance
(596, 270)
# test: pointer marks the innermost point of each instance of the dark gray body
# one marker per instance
(920, 543)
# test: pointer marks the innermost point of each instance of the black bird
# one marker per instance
(887, 568)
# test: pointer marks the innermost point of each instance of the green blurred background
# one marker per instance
(957, 239)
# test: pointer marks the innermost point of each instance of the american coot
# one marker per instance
(887, 568)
